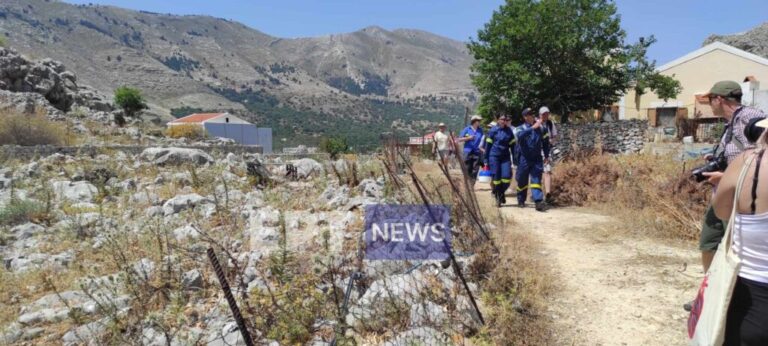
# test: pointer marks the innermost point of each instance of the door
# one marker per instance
(667, 119)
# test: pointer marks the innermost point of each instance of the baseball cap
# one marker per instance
(527, 111)
(726, 88)
(441, 125)
(475, 117)
(543, 110)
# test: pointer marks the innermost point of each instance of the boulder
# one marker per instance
(186, 232)
(144, 268)
(26, 231)
(24, 263)
(86, 334)
(192, 280)
(183, 202)
(371, 188)
(80, 191)
(176, 156)
(307, 168)
(47, 78)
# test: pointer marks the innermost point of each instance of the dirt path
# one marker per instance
(614, 290)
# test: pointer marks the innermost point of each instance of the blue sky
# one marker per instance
(679, 25)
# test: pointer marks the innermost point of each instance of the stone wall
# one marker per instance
(31, 152)
(625, 136)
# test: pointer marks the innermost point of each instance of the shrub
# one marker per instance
(648, 193)
(19, 211)
(33, 129)
(186, 131)
(130, 100)
(334, 146)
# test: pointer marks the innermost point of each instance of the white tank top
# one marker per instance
(754, 259)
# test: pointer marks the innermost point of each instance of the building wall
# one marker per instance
(696, 77)
(245, 134)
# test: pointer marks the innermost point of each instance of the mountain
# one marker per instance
(754, 41)
(304, 88)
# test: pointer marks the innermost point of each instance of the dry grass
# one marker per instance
(516, 285)
(193, 132)
(30, 129)
(514, 281)
(650, 195)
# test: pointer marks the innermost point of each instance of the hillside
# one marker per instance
(304, 88)
(754, 41)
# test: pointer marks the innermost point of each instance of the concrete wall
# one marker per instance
(28, 153)
(245, 134)
(626, 136)
(696, 77)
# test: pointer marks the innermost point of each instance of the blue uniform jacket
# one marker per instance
(472, 146)
(499, 142)
(532, 142)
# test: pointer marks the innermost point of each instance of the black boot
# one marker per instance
(520, 204)
(497, 195)
(541, 206)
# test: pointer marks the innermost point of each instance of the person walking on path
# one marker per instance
(550, 126)
(498, 154)
(472, 136)
(441, 147)
(532, 140)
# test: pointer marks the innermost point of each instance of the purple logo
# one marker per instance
(407, 232)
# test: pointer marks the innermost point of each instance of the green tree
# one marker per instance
(334, 146)
(130, 100)
(568, 54)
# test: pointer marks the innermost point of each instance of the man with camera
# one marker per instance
(725, 99)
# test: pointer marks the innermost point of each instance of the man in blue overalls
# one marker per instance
(472, 136)
(532, 140)
(498, 153)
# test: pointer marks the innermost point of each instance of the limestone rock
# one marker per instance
(176, 156)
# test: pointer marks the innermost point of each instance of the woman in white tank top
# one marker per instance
(747, 322)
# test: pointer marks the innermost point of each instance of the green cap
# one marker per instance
(726, 88)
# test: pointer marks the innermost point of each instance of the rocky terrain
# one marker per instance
(111, 250)
(754, 41)
(306, 87)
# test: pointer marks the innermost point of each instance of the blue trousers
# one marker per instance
(534, 170)
(501, 168)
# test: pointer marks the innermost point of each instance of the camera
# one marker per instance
(715, 164)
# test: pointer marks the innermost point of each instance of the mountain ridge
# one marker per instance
(199, 62)
(754, 40)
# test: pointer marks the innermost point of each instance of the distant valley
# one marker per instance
(356, 85)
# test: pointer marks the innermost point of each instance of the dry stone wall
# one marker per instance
(626, 136)
(31, 152)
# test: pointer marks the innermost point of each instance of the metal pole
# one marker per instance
(230, 298)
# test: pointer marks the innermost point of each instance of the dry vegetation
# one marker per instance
(516, 287)
(188, 131)
(649, 194)
(31, 129)
(512, 276)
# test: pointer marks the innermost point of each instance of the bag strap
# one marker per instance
(739, 185)
(755, 180)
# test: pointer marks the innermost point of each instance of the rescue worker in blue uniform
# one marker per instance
(472, 136)
(498, 154)
(532, 140)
